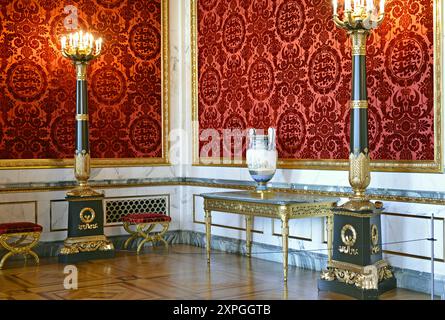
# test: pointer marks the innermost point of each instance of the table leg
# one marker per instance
(208, 221)
(329, 226)
(285, 292)
(285, 238)
(249, 222)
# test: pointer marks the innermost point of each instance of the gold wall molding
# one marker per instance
(122, 162)
(429, 166)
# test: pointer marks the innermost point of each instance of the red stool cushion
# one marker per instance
(146, 218)
(19, 227)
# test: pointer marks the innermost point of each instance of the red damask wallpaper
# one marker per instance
(38, 85)
(284, 64)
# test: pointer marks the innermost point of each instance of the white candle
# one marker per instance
(76, 41)
(334, 5)
(63, 42)
(91, 41)
(382, 6)
(98, 45)
(370, 5)
(86, 41)
(80, 39)
(348, 5)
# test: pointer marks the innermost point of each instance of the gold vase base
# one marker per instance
(264, 194)
(263, 191)
(84, 191)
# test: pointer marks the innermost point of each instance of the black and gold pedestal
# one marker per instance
(86, 239)
(357, 268)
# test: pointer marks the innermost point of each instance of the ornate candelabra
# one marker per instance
(357, 268)
(81, 51)
(85, 211)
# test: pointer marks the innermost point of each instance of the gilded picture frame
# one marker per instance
(121, 162)
(427, 166)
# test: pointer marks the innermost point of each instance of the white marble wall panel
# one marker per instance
(57, 175)
(58, 215)
(408, 235)
(18, 211)
(298, 228)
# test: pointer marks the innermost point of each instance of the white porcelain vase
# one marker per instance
(262, 157)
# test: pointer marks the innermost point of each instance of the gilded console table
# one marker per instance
(276, 205)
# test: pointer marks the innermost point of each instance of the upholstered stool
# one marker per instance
(19, 238)
(144, 223)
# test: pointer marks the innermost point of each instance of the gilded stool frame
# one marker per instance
(143, 231)
(17, 247)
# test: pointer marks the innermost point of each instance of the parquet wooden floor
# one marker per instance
(180, 273)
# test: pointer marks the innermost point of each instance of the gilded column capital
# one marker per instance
(359, 38)
(81, 70)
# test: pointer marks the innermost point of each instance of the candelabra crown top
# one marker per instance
(81, 46)
(359, 15)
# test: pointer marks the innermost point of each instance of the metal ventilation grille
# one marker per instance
(117, 208)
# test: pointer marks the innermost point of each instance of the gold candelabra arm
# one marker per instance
(359, 16)
(350, 21)
(81, 47)
(338, 22)
(380, 19)
(367, 22)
